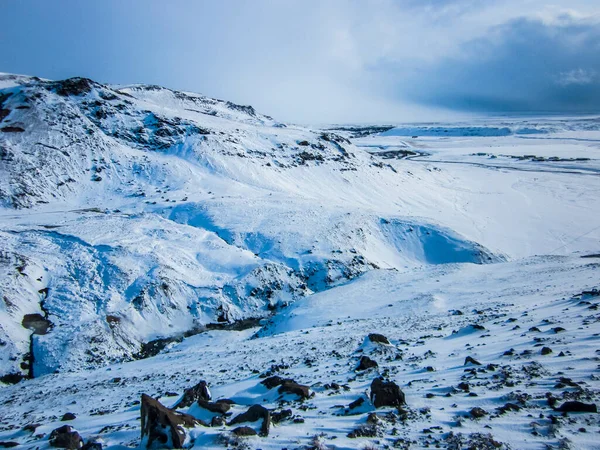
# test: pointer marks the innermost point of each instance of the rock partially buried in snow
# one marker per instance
(218, 407)
(366, 363)
(65, 437)
(244, 431)
(291, 387)
(378, 339)
(578, 407)
(386, 393)
(162, 426)
(193, 394)
(470, 360)
(255, 413)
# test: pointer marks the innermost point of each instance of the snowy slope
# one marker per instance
(152, 238)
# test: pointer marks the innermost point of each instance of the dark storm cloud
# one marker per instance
(524, 65)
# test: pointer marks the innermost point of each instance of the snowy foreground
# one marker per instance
(154, 239)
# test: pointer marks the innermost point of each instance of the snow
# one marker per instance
(135, 213)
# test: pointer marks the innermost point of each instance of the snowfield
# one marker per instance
(153, 239)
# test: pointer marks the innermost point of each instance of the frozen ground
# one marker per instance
(141, 225)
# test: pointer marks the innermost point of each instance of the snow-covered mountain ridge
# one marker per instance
(135, 178)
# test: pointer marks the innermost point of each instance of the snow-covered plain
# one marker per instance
(137, 213)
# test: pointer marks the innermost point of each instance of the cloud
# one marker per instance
(523, 65)
(316, 61)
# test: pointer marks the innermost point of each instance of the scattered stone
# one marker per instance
(558, 329)
(244, 431)
(576, 406)
(470, 360)
(254, 413)
(92, 445)
(68, 416)
(366, 363)
(536, 329)
(508, 407)
(9, 444)
(280, 416)
(218, 407)
(217, 421)
(546, 350)
(193, 394)
(65, 437)
(164, 425)
(357, 403)
(379, 338)
(477, 413)
(386, 393)
(291, 387)
(464, 386)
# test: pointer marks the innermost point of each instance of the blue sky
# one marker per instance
(324, 61)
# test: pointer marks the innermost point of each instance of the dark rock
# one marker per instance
(164, 425)
(254, 413)
(470, 360)
(508, 407)
(73, 86)
(92, 445)
(386, 393)
(68, 416)
(274, 381)
(536, 329)
(477, 413)
(12, 378)
(31, 427)
(11, 129)
(244, 431)
(356, 403)
(366, 363)
(558, 329)
(280, 416)
(193, 394)
(65, 437)
(217, 421)
(291, 387)
(219, 407)
(546, 350)
(577, 407)
(464, 386)
(379, 338)
(9, 444)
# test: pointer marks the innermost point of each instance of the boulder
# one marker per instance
(218, 407)
(477, 413)
(470, 360)
(578, 407)
(386, 393)
(379, 338)
(366, 363)
(68, 416)
(255, 413)
(193, 394)
(291, 387)
(163, 425)
(65, 437)
(244, 431)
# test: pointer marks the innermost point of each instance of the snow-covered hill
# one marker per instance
(158, 238)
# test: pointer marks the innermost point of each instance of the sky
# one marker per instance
(324, 61)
